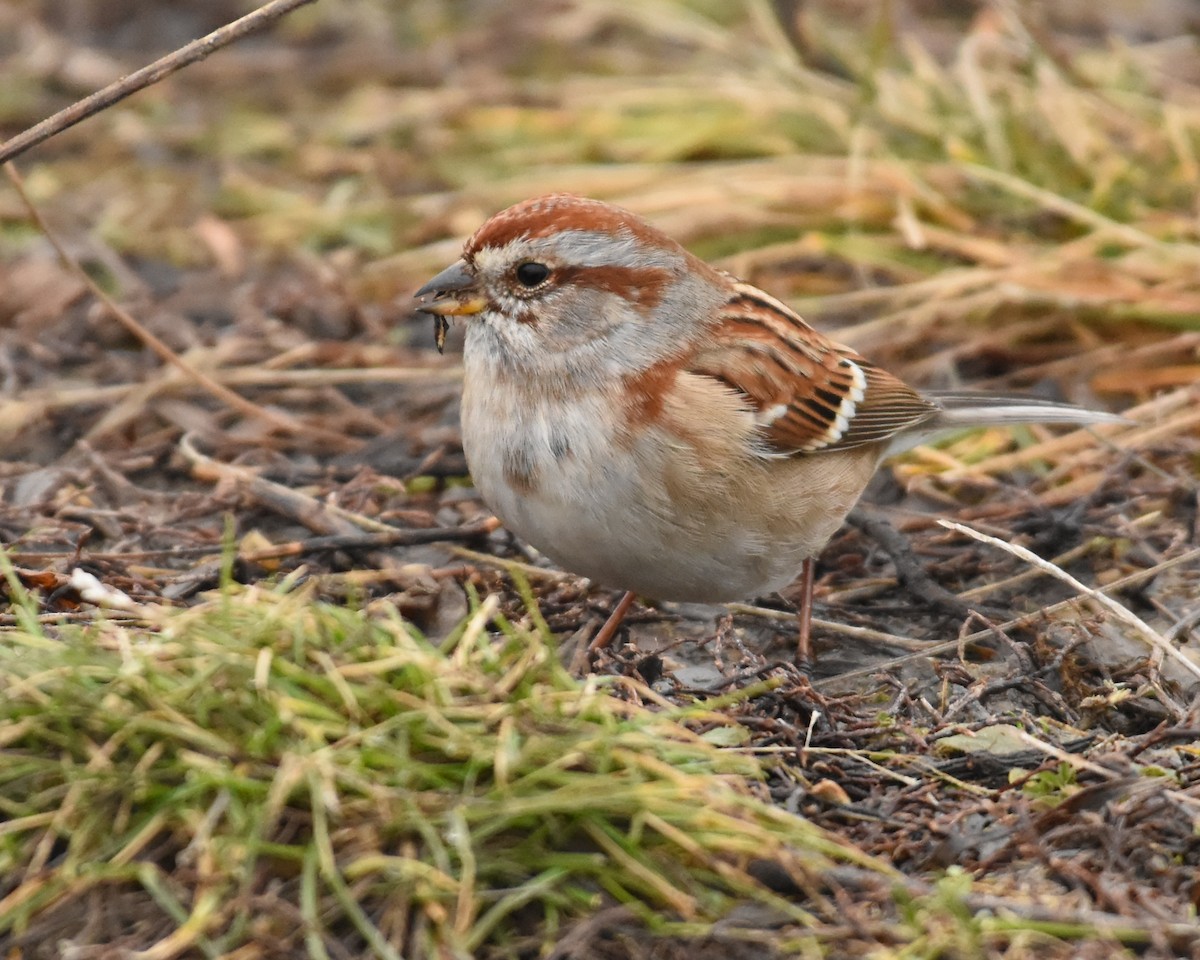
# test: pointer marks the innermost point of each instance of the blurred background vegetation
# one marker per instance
(1035, 163)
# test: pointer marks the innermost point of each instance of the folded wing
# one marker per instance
(809, 393)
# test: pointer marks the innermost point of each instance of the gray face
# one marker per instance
(585, 303)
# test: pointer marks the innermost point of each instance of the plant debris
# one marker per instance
(274, 683)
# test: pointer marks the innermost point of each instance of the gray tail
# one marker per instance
(962, 410)
(967, 409)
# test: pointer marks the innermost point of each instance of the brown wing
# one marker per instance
(811, 394)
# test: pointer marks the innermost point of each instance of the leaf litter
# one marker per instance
(275, 684)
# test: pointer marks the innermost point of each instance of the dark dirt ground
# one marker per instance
(118, 465)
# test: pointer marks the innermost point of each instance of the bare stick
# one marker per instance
(936, 649)
(277, 420)
(1163, 646)
(139, 80)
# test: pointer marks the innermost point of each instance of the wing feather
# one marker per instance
(810, 393)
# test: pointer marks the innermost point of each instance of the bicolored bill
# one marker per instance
(454, 295)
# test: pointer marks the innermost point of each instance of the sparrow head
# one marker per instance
(565, 275)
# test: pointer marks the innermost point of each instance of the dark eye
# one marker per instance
(530, 273)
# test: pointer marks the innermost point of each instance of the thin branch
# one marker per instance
(147, 76)
(279, 421)
(1162, 645)
(937, 649)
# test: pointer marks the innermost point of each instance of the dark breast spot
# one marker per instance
(520, 471)
(560, 446)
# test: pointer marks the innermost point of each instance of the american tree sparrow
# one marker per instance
(654, 424)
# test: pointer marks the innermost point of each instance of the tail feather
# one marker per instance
(967, 409)
(961, 410)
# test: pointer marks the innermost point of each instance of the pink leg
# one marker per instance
(804, 612)
(606, 633)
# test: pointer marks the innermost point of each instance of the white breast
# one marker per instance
(548, 471)
(662, 516)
